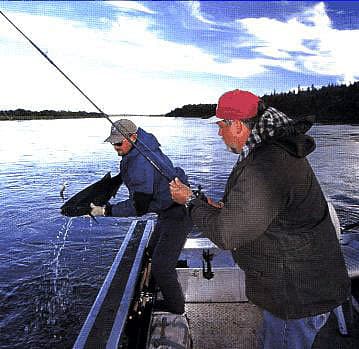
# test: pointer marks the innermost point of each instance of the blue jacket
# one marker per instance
(148, 189)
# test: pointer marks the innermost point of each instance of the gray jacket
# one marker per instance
(276, 221)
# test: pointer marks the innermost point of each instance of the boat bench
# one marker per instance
(196, 288)
(199, 289)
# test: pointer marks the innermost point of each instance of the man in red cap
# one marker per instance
(275, 219)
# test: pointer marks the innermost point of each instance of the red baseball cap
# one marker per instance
(237, 105)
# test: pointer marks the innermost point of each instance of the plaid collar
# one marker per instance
(266, 127)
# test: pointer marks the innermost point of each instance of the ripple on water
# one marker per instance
(51, 271)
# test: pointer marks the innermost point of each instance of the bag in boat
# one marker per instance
(169, 331)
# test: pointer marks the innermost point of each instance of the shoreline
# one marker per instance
(30, 118)
(55, 117)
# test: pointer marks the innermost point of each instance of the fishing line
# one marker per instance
(152, 162)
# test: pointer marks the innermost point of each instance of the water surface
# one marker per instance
(51, 267)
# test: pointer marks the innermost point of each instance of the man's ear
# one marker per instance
(133, 137)
(241, 128)
(246, 128)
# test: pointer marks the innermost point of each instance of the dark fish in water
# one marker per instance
(62, 190)
(99, 193)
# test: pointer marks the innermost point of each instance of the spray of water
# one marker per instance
(60, 245)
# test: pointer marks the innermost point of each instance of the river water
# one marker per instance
(51, 267)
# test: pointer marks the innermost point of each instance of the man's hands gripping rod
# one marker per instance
(183, 195)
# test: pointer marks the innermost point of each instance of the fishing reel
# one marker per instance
(196, 194)
(199, 194)
(142, 303)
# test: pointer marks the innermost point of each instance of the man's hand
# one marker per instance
(215, 204)
(97, 210)
(179, 191)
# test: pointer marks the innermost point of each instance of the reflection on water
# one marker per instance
(52, 266)
(336, 163)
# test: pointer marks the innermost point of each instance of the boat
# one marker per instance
(218, 313)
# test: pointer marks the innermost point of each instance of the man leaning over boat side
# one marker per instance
(149, 192)
(275, 219)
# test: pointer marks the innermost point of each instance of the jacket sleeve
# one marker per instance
(141, 192)
(141, 202)
(122, 209)
(249, 208)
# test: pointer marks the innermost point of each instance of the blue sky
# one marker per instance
(149, 57)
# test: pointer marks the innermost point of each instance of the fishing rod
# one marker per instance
(152, 162)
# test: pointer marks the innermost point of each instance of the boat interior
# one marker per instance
(217, 311)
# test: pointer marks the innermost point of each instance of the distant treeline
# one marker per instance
(22, 114)
(330, 104)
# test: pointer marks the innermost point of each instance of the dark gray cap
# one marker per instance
(126, 127)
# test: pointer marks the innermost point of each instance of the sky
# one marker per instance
(150, 57)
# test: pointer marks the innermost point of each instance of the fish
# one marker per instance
(98, 193)
(62, 190)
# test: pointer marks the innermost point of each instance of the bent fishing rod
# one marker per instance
(152, 162)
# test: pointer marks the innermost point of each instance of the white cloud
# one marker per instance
(195, 8)
(119, 62)
(127, 68)
(317, 16)
(309, 41)
(130, 6)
